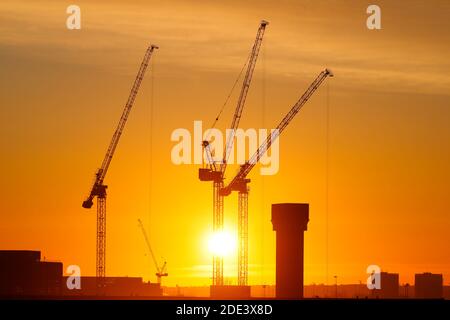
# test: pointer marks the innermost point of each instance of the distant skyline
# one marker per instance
(63, 92)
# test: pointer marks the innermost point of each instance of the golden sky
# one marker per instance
(62, 93)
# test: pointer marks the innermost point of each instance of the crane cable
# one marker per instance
(327, 169)
(152, 102)
(263, 116)
(228, 96)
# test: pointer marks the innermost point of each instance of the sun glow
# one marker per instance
(222, 243)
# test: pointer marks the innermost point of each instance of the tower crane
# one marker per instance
(98, 188)
(240, 182)
(215, 173)
(160, 270)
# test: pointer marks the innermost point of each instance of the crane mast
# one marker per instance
(216, 175)
(240, 181)
(98, 188)
(160, 271)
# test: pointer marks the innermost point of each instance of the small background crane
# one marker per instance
(98, 188)
(160, 270)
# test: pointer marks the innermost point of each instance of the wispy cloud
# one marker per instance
(201, 37)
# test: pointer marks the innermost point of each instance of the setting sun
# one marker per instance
(222, 243)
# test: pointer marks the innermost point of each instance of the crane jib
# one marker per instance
(248, 166)
(243, 94)
(101, 173)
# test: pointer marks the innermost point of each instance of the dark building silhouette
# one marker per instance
(289, 221)
(229, 292)
(23, 273)
(389, 286)
(428, 286)
(114, 287)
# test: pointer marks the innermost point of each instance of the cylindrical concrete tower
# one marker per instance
(290, 221)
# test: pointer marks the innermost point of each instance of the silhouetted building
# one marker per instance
(263, 291)
(230, 292)
(289, 220)
(446, 292)
(389, 286)
(428, 286)
(23, 274)
(114, 287)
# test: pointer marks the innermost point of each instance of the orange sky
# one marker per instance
(63, 91)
